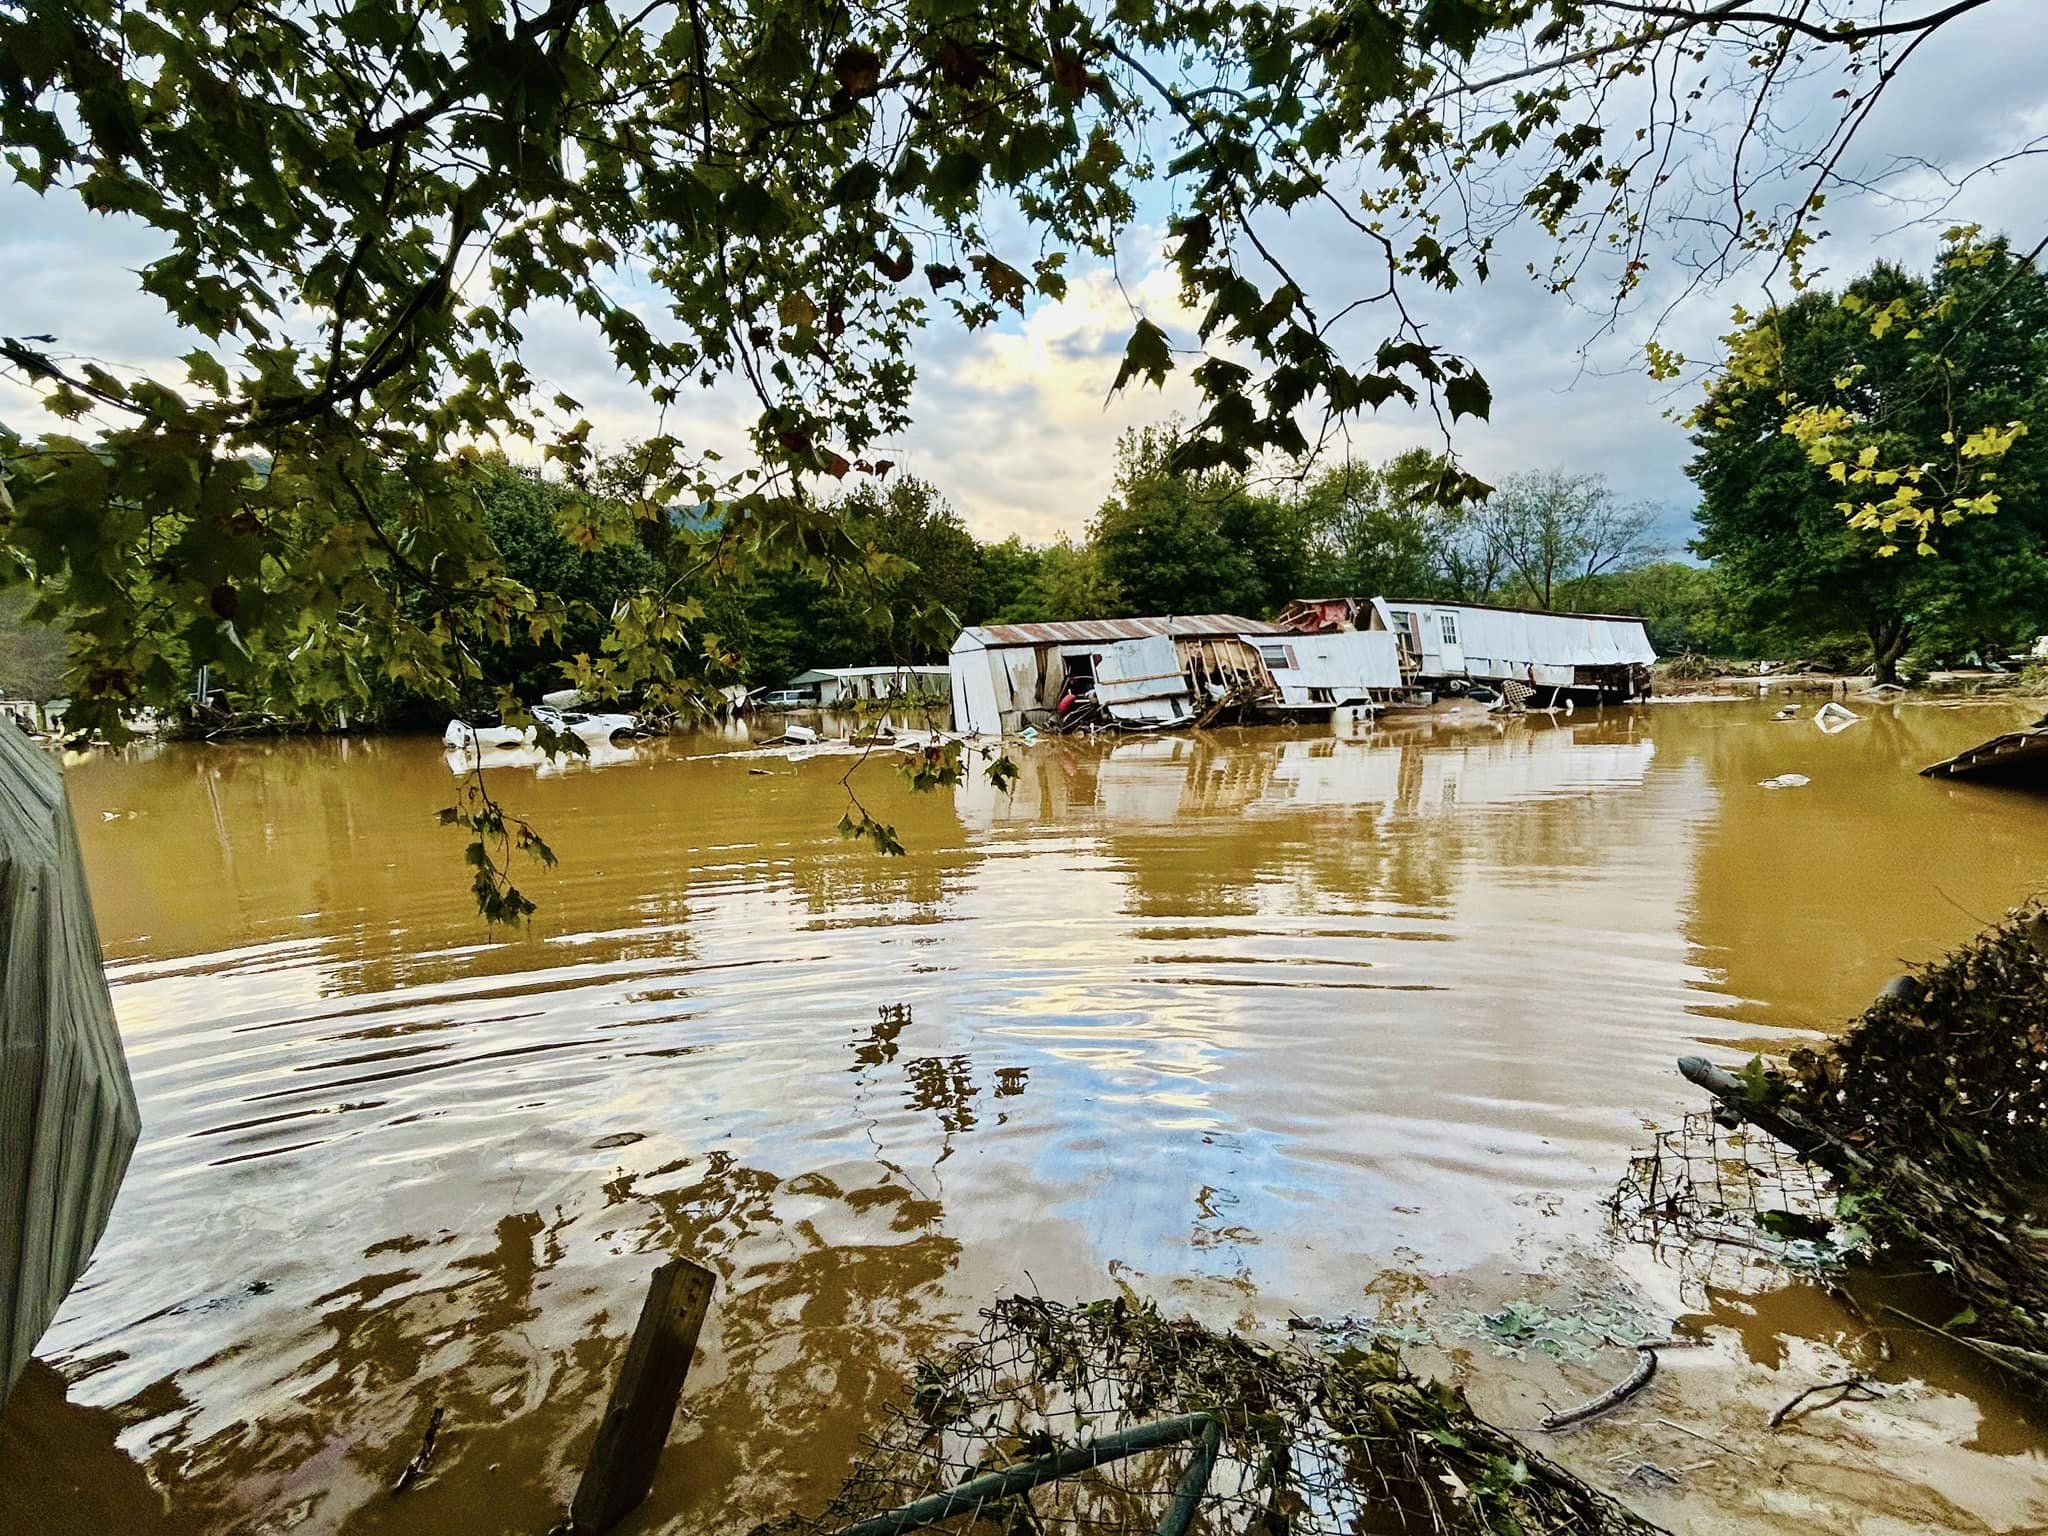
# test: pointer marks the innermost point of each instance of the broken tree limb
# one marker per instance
(1613, 1397)
(1027, 1475)
(417, 1467)
(643, 1405)
(1788, 1125)
(1802, 1404)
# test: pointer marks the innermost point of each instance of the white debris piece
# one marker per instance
(1785, 781)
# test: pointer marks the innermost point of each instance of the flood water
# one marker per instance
(1255, 1024)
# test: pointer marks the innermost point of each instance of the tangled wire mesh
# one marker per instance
(1717, 1204)
(1303, 1443)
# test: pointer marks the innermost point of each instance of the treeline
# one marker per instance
(1907, 368)
(1160, 542)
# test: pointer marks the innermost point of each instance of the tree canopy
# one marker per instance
(1200, 542)
(365, 204)
(1551, 533)
(1820, 532)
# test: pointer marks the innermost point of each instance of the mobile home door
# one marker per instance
(1451, 643)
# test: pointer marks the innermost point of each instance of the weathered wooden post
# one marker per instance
(67, 1108)
(643, 1404)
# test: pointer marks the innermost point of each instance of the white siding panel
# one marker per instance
(1141, 681)
(1350, 664)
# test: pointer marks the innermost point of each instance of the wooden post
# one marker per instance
(643, 1404)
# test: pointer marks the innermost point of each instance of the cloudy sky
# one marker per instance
(1015, 425)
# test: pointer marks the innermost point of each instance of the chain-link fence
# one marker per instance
(1725, 1206)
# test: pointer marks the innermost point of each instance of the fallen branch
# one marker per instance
(1872, 1334)
(1781, 1121)
(1849, 1387)
(417, 1467)
(2031, 1361)
(1613, 1397)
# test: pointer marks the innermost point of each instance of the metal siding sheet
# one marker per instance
(1131, 670)
(974, 694)
(1140, 680)
(68, 1119)
(1350, 663)
(1020, 671)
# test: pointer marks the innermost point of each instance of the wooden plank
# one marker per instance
(643, 1404)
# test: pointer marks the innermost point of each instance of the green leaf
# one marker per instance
(1148, 352)
(1468, 395)
(205, 369)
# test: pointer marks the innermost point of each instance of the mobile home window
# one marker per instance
(1449, 625)
(1281, 656)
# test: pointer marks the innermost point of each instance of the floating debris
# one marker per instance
(2016, 755)
(1612, 1398)
(1931, 1115)
(422, 1459)
(1575, 1335)
(1833, 718)
(1850, 1389)
(1785, 781)
(1108, 1420)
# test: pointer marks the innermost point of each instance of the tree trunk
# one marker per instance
(1887, 644)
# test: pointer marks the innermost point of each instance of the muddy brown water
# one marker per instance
(1256, 1024)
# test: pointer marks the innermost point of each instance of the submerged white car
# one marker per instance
(595, 730)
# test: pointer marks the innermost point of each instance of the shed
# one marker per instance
(68, 1120)
(1605, 653)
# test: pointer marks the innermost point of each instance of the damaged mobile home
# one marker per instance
(828, 687)
(1160, 673)
(1445, 647)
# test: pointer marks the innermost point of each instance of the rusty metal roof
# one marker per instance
(1083, 631)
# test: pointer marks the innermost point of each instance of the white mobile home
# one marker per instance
(1604, 653)
(1008, 676)
(829, 686)
(1150, 673)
